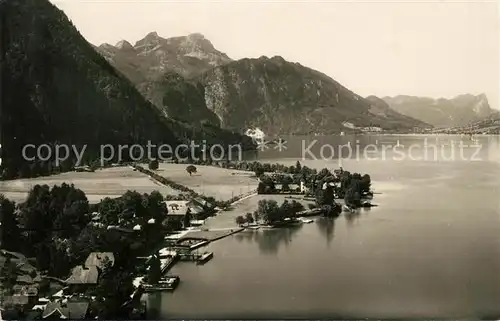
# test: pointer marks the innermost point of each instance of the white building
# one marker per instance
(372, 129)
(349, 125)
(303, 188)
(256, 133)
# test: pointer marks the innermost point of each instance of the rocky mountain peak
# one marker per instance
(196, 36)
(106, 46)
(152, 35)
(124, 45)
(151, 38)
(458, 111)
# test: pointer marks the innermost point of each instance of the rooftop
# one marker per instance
(99, 259)
(82, 275)
(176, 207)
(69, 310)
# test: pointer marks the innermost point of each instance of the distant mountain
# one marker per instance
(153, 56)
(380, 108)
(278, 96)
(58, 89)
(458, 111)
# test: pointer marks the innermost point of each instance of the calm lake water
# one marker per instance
(431, 249)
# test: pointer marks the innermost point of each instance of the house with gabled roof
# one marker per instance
(73, 310)
(81, 279)
(99, 259)
(84, 276)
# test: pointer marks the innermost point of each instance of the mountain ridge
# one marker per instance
(154, 55)
(181, 94)
(443, 112)
(285, 97)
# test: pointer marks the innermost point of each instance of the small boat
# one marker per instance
(254, 227)
(306, 221)
(205, 257)
(168, 283)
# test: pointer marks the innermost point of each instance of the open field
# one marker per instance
(108, 182)
(220, 183)
(226, 219)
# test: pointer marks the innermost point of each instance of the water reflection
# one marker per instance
(326, 227)
(269, 241)
(153, 302)
(352, 217)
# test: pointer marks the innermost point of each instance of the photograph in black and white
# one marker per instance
(249, 160)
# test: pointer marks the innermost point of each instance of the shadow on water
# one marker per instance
(351, 218)
(269, 240)
(153, 302)
(326, 227)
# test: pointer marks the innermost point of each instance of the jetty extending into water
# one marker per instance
(168, 283)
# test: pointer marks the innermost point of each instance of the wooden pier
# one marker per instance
(167, 263)
(198, 258)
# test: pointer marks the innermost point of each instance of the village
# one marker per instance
(158, 230)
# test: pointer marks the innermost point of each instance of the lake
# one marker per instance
(430, 249)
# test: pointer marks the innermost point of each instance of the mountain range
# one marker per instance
(190, 80)
(459, 111)
(57, 89)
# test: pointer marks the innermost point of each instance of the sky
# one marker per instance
(425, 48)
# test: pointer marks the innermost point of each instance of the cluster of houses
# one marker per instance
(300, 188)
(27, 280)
(369, 129)
(70, 302)
(197, 207)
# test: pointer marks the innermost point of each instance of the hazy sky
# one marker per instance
(435, 49)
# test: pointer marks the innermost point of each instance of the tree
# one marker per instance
(186, 220)
(365, 183)
(269, 210)
(113, 291)
(191, 169)
(10, 230)
(249, 218)
(324, 173)
(109, 209)
(132, 206)
(297, 207)
(353, 196)
(325, 196)
(240, 220)
(285, 211)
(286, 181)
(154, 273)
(74, 217)
(153, 164)
(256, 216)
(266, 185)
(259, 171)
(298, 167)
